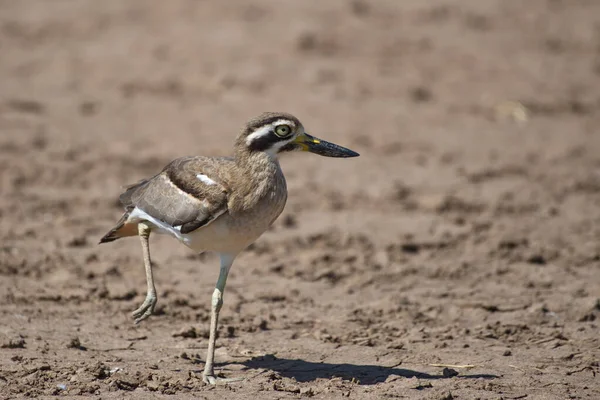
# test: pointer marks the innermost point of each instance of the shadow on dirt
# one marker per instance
(304, 371)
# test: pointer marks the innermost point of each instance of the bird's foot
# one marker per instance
(211, 379)
(146, 309)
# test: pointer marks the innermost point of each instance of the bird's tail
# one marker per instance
(121, 229)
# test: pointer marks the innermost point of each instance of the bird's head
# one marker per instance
(275, 133)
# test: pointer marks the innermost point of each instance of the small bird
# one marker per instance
(219, 204)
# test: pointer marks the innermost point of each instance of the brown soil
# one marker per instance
(467, 233)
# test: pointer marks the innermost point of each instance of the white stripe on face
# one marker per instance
(284, 122)
(274, 149)
(265, 130)
(205, 179)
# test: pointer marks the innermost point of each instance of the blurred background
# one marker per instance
(466, 233)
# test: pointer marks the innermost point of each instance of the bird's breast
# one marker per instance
(240, 226)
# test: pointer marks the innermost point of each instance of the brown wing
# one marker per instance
(187, 193)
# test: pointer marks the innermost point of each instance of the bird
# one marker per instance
(217, 204)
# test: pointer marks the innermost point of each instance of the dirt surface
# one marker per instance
(467, 233)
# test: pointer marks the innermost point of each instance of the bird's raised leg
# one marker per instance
(217, 302)
(149, 303)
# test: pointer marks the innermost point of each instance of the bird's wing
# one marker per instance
(187, 193)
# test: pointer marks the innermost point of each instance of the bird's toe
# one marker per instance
(213, 380)
(145, 310)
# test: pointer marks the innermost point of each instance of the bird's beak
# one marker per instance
(323, 148)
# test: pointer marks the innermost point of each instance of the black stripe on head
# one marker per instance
(289, 147)
(264, 142)
(268, 118)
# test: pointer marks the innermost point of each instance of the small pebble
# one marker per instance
(449, 372)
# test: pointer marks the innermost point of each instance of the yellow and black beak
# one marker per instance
(323, 148)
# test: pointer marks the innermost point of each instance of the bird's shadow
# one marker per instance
(305, 371)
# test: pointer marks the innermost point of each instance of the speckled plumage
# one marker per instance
(250, 193)
(224, 217)
(220, 204)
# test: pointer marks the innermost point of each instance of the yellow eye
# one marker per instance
(283, 130)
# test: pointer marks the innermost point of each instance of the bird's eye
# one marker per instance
(283, 130)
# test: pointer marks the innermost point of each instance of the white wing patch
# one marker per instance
(205, 179)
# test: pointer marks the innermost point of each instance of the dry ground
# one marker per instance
(467, 233)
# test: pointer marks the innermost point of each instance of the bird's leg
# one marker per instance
(217, 302)
(149, 303)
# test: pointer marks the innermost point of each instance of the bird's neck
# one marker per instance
(256, 161)
(259, 176)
